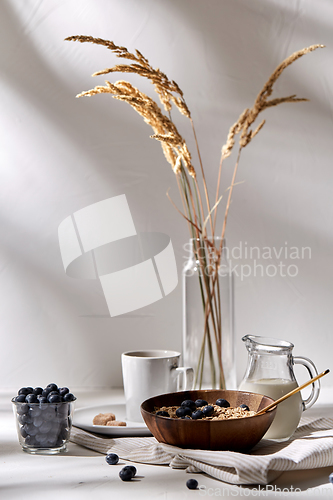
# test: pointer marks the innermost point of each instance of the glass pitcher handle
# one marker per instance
(309, 365)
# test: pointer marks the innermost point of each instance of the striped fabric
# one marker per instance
(310, 447)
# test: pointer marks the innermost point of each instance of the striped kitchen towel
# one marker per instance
(310, 447)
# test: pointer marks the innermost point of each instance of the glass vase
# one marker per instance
(208, 338)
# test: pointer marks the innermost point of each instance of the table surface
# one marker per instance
(83, 474)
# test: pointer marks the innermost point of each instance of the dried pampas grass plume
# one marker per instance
(261, 103)
(164, 87)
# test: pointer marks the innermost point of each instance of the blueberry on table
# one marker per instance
(196, 415)
(130, 468)
(192, 484)
(125, 474)
(188, 403)
(163, 413)
(112, 458)
(207, 410)
(182, 411)
(245, 407)
(223, 403)
(200, 402)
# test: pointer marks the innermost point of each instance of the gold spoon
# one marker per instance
(291, 393)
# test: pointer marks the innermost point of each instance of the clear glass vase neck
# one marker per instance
(207, 245)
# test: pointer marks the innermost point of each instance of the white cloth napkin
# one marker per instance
(310, 447)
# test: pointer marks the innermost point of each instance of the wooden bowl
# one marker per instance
(237, 434)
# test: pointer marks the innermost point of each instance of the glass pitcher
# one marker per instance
(270, 372)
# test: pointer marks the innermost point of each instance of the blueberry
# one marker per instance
(46, 392)
(37, 391)
(207, 410)
(20, 398)
(31, 398)
(22, 409)
(330, 478)
(130, 468)
(20, 419)
(68, 397)
(53, 392)
(45, 427)
(54, 398)
(192, 484)
(196, 415)
(223, 403)
(41, 438)
(63, 391)
(38, 421)
(112, 458)
(52, 387)
(30, 429)
(52, 439)
(62, 411)
(23, 390)
(188, 403)
(42, 400)
(30, 440)
(200, 402)
(245, 407)
(64, 434)
(125, 474)
(48, 414)
(26, 419)
(163, 413)
(34, 411)
(23, 432)
(182, 411)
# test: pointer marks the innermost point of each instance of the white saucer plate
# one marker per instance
(83, 418)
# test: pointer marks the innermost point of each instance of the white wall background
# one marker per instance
(60, 154)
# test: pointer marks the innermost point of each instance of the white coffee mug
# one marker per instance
(148, 373)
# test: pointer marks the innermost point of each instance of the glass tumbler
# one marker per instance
(43, 428)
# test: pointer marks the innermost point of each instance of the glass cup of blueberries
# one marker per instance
(43, 418)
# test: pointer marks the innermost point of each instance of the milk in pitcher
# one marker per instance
(288, 412)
